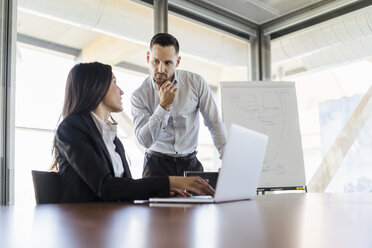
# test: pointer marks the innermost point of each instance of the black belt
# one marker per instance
(188, 157)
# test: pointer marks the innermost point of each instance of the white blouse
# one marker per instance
(108, 132)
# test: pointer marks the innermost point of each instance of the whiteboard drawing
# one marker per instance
(269, 108)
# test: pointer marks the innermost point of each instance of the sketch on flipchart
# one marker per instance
(269, 108)
(264, 112)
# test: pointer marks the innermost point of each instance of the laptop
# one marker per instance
(240, 172)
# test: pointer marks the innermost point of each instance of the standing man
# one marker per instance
(165, 111)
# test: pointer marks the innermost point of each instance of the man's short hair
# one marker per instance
(164, 39)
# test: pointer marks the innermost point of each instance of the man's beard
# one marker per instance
(161, 81)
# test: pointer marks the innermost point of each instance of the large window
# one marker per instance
(330, 64)
(39, 98)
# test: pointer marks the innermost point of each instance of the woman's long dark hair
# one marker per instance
(86, 86)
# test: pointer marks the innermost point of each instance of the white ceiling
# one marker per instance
(50, 30)
(120, 30)
(261, 11)
(33, 21)
(132, 24)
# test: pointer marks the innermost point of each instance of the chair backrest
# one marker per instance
(47, 186)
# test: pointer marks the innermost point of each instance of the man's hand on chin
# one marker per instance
(167, 93)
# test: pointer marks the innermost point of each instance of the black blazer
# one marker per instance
(86, 169)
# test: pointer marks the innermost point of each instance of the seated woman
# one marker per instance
(89, 156)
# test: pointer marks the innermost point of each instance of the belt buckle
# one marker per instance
(179, 159)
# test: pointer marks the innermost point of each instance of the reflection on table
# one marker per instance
(286, 220)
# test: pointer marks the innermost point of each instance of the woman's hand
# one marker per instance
(179, 193)
(195, 184)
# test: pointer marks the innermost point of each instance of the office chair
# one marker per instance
(47, 186)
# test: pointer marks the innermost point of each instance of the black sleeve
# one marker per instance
(78, 147)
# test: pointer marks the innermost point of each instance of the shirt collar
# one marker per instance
(101, 125)
(176, 77)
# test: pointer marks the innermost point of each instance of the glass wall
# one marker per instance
(39, 98)
(330, 64)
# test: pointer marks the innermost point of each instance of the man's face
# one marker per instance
(162, 63)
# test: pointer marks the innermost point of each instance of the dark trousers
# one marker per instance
(158, 164)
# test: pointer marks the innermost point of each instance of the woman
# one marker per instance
(90, 158)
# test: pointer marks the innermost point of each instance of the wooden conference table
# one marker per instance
(286, 220)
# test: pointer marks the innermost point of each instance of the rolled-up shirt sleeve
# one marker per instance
(147, 126)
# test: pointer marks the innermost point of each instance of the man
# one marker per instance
(165, 111)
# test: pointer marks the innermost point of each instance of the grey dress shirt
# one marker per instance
(175, 132)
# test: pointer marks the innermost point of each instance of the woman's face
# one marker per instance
(112, 99)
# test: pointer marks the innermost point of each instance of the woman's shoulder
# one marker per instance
(75, 121)
(72, 119)
(77, 129)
